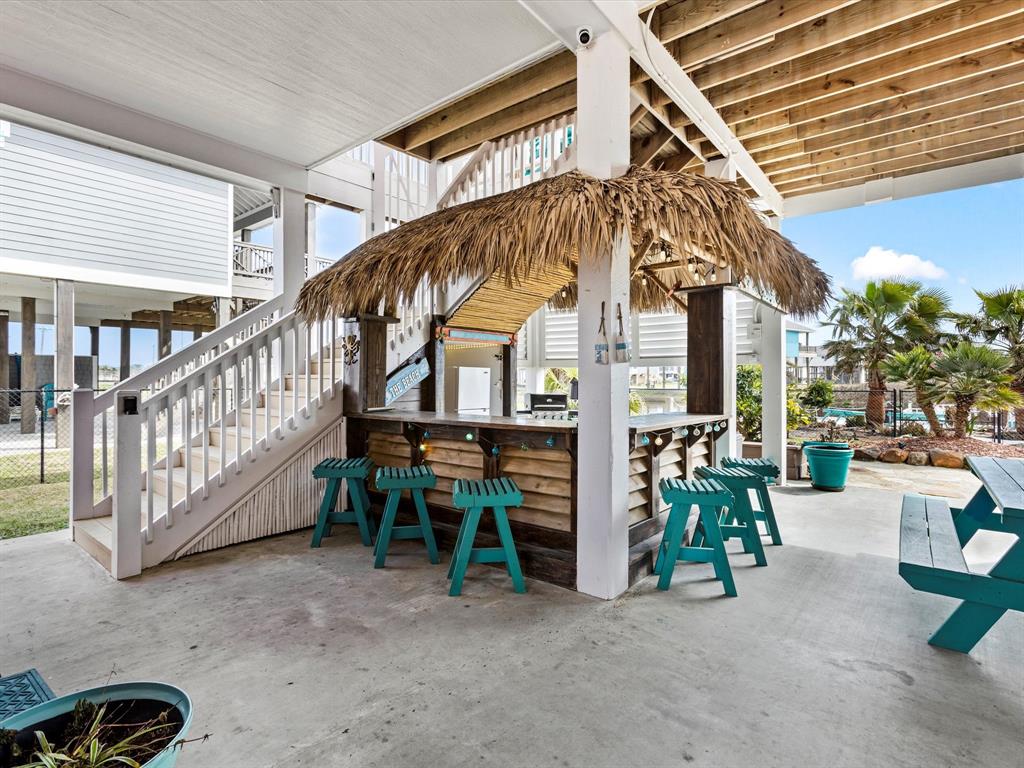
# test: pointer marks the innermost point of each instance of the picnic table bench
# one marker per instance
(932, 538)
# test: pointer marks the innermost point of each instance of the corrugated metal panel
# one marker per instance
(82, 212)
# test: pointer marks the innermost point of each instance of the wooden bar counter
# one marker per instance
(540, 455)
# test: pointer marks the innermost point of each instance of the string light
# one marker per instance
(550, 442)
(658, 440)
(643, 280)
(524, 447)
(495, 450)
(469, 436)
(645, 440)
(564, 293)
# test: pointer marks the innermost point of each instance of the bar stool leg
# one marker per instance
(469, 524)
(428, 531)
(458, 543)
(330, 499)
(508, 544)
(744, 515)
(765, 500)
(666, 536)
(720, 560)
(371, 523)
(673, 540)
(386, 524)
(360, 508)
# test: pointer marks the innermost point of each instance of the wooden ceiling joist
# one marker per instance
(944, 76)
(996, 122)
(996, 82)
(821, 93)
(1013, 127)
(887, 167)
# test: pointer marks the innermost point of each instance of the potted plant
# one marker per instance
(140, 725)
(828, 459)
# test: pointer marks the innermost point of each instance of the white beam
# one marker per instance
(50, 107)
(773, 387)
(602, 557)
(289, 244)
(726, 445)
(654, 58)
(924, 183)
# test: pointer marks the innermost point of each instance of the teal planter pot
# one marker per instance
(828, 464)
(158, 692)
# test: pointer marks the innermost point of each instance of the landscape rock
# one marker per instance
(917, 458)
(942, 458)
(866, 454)
(894, 455)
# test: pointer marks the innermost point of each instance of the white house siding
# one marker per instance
(81, 212)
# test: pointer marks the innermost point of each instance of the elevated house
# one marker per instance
(813, 107)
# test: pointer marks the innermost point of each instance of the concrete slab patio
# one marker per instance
(296, 657)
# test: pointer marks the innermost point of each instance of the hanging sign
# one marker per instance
(448, 333)
(405, 379)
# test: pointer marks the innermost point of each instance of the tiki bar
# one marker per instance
(590, 515)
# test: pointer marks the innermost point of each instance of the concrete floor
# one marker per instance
(296, 657)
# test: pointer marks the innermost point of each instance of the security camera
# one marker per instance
(584, 37)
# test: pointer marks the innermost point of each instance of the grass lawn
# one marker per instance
(33, 509)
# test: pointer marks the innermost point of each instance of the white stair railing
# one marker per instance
(157, 377)
(511, 162)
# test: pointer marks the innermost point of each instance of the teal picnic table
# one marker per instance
(932, 538)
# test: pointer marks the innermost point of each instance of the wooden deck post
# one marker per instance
(289, 244)
(126, 350)
(366, 372)
(94, 353)
(711, 360)
(64, 355)
(28, 365)
(5, 369)
(82, 456)
(164, 334)
(509, 379)
(126, 556)
(602, 559)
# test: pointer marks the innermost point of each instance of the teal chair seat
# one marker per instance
(473, 496)
(354, 472)
(742, 519)
(766, 468)
(395, 480)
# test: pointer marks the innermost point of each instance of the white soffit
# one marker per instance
(295, 80)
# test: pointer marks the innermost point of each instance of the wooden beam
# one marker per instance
(5, 368)
(945, 133)
(689, 16)
(552, 103)
(126, 351)
(797, 190)
(944, 76)
(919, 161)
(953, 116)
(643, 150)
(660, 285)
(28, 364)
(637, 115)
(850, 37)
(760, 23)
(538, 78)
(901, 72)
(677, 162)
(904, 104)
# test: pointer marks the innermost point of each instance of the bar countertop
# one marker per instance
(645, 423)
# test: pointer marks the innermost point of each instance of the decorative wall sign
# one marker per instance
(405, 379)
(350, 349)
(448, 333)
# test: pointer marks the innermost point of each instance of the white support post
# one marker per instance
(773, 388)
(602, 557)
(378, 195)
(310, 239)
(126, 556)
(64, 355)
(726, 445)
(289, 244)
(82, 418)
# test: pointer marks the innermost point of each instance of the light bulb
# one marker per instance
(469, 435)
(658, 440)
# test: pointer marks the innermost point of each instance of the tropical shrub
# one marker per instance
(748, 401)
(968, 375)
(818, 394)
(914, 367)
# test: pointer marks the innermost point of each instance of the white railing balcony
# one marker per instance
(252, 260)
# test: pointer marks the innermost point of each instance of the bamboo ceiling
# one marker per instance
(523, 245)
(824, 94)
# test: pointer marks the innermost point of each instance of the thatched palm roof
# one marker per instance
(539, 229)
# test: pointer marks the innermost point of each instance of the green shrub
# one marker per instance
(818, 394)
(856, 421)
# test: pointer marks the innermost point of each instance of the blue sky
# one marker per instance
(963, 239)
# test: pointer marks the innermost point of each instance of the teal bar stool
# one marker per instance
(472, 496)
(710, 498)
(355, 471)
(394, 480)
(766, 468)
(741, 520)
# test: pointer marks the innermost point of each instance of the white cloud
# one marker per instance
(881, 262)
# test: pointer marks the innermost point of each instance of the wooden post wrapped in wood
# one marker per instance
(364, 354)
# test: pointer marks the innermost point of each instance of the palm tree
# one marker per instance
(889, 316)
(914, 367)
(1000, 324)
(970, 375)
